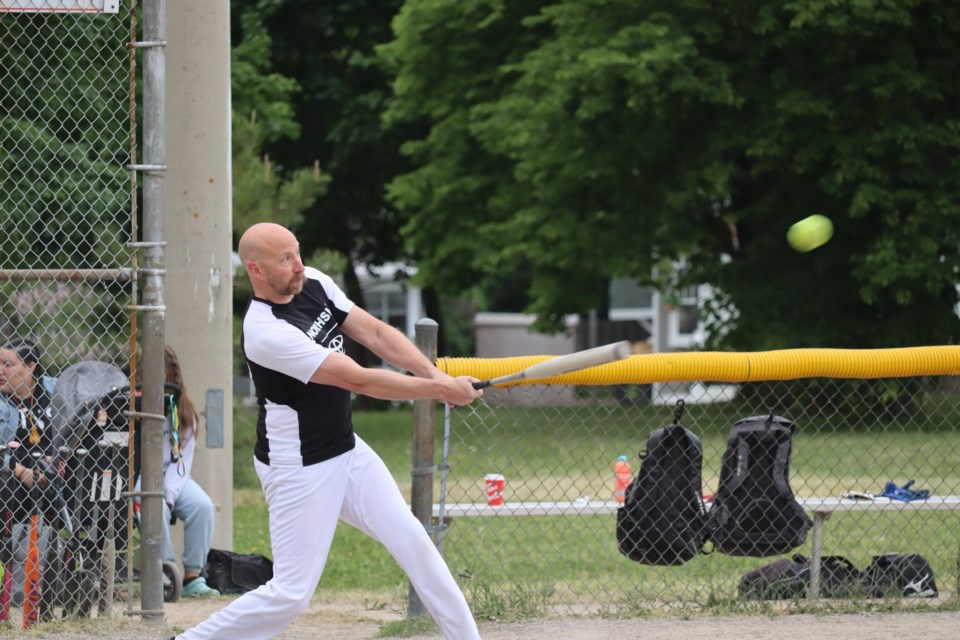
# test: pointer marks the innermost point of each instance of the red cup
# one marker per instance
(494, 483)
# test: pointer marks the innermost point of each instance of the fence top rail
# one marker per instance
(732, 367)
(65, 275)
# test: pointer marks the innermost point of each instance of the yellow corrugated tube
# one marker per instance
(689, 366)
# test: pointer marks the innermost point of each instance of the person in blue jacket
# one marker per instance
(25, 410)
(25, 419)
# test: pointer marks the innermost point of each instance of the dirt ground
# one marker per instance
(355, 621)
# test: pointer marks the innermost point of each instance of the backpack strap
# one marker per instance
(782, 457)
(743, 463)
(693, 451)
(780, 467)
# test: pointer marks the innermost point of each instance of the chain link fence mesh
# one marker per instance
(552, 545)
(65, 228)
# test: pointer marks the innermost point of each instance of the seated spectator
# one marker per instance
(182, 496)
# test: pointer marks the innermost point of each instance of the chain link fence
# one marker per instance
(65, 324)
(552, 546)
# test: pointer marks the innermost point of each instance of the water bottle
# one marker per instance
(621, 469)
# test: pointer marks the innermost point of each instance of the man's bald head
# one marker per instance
(271, 255)
(256, 242)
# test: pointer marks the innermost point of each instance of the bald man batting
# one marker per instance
(313, 468)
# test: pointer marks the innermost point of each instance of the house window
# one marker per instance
(388, 303)
(685, 330)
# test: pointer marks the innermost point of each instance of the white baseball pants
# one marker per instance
(304, 505)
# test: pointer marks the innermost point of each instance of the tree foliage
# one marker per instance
(255, 87)
(65, 200)
(260, 193)
(263, 113)
(675, 142)
(63, 146)
(328, 49)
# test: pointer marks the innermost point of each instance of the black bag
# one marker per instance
(784, 579)
(663, 520)
(230, 572)
(896, 574)
(754, 512)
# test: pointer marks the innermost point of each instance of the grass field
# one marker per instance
(525, 565)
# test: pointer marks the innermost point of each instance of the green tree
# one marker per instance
(63, 143)
(330, 51)
(260, 192)
(65, 203)
(256, 88)
(461, 197)
(263, 113)
(676, 142)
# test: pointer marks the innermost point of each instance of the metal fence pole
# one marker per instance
(424, 425)
(151, 532)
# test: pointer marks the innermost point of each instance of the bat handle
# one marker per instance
(483, 384)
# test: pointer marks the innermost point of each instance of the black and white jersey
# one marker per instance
(300, 422)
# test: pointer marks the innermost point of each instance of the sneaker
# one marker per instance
(198, 587)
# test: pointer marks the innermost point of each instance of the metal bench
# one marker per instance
(823, 508)
(820, 508)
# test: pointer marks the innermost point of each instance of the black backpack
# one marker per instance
(231, 572)
(754, 512)
(663, 520)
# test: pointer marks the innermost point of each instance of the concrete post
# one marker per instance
(199, 320)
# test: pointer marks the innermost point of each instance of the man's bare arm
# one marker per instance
(389, 344)
(339, 370)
